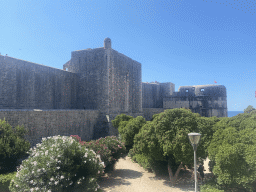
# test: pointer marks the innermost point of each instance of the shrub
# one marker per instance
(211, 186)
(5, 180)
(233, 151)
(59, 163)
(12, 146)
(109, 148)
(117, 148)
(120, 118)
(144, 161)
(129, 129)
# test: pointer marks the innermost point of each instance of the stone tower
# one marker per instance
(107, 43)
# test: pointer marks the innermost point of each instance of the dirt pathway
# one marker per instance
(131, 177)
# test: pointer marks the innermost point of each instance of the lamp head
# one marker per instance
(194, 139)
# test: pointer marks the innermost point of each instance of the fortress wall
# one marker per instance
(149, 112)
(46, 123)
(147, 96)
(91, 67)
(27, 85)
(120, 83)
(210, 90)
(125, 84)
(204, 105)
(166, 90)
(151, 95)
(177, 103)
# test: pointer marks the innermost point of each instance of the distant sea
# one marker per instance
(234, 113)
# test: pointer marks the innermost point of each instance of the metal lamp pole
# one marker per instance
(194, 139)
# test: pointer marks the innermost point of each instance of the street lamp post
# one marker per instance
(194, 139)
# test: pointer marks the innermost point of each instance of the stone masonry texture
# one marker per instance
(94, 87)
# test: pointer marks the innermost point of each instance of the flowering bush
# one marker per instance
(117, 148)
(100, 149)
(59, 163)
(109, 148)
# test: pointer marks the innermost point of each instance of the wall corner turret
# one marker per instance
(107, 43)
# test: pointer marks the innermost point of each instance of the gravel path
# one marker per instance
(131, 177)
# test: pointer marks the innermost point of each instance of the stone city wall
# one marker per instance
(91, 68)
(27, 85)
(44, 123)
(125, 84)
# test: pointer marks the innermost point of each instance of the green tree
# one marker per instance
(166, 139)
(249, 109)
(128, 129)
(13, 146)
(119, 118)
(232, 149)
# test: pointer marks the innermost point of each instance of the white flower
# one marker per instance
(43, 138)
(98, 156)
(17, 185)
(58, 167)
(49, 191)
(71, 183)
(37, 188)
(98, 172)
(46, 152)
(84, 161)
(37, 154)
(83, 177)
(51, 179)
(38, 170)
(59, 161)
(86, 154)
(31, 181)
(59, 155)
(62, 177)
(34, 163)
(32, 189)
(78, 182)
(33, 172)
(56, 182)
(89, 159)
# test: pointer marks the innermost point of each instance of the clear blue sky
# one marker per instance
(185, 42)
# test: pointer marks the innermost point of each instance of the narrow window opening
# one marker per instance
(186, 90)
(202, 89)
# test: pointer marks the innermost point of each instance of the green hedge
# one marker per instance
(5, 180)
